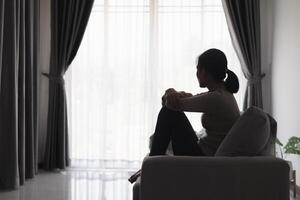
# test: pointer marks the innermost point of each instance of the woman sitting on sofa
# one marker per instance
(218, 105)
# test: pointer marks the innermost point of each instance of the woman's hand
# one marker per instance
(170, 90)
(171, 98)
(184, 94)
(167, 92)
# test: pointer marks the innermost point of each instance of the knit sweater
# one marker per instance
(220, 111)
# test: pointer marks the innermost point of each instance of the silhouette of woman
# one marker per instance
(218, 105)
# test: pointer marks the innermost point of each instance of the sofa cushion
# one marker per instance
(248, 136)
(269, 149)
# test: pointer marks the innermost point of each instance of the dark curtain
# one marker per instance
(69, 20)
(1, 35)
(18, 93)
(243, 19)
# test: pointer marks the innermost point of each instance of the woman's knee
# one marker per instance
(167, 115)
(168, 111)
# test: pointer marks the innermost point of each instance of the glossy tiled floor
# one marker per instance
(75, 185)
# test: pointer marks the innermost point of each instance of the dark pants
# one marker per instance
(174, 126)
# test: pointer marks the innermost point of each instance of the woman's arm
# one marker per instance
(205, 102)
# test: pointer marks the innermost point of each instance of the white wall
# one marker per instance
(286, 71)
(44, 55)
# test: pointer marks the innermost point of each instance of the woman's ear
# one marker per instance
(208, 76)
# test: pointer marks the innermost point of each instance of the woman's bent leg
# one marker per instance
(174, 126)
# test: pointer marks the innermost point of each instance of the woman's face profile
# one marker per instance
(201, 76)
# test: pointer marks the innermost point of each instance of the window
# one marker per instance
(131, 52)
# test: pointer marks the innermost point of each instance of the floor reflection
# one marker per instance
(109, 185)
(75, 185)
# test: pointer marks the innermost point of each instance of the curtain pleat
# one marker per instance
(8, 101)
(1, 35)
(243, 19)
(35, 81)
(21, 89)
(30, 76)
(69, 20)
(18, 105)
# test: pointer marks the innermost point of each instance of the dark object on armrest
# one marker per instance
(133, 178)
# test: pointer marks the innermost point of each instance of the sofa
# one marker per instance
(243, 168)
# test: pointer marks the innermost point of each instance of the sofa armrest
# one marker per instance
(214, 178)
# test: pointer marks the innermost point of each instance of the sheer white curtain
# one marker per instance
(131, 52)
